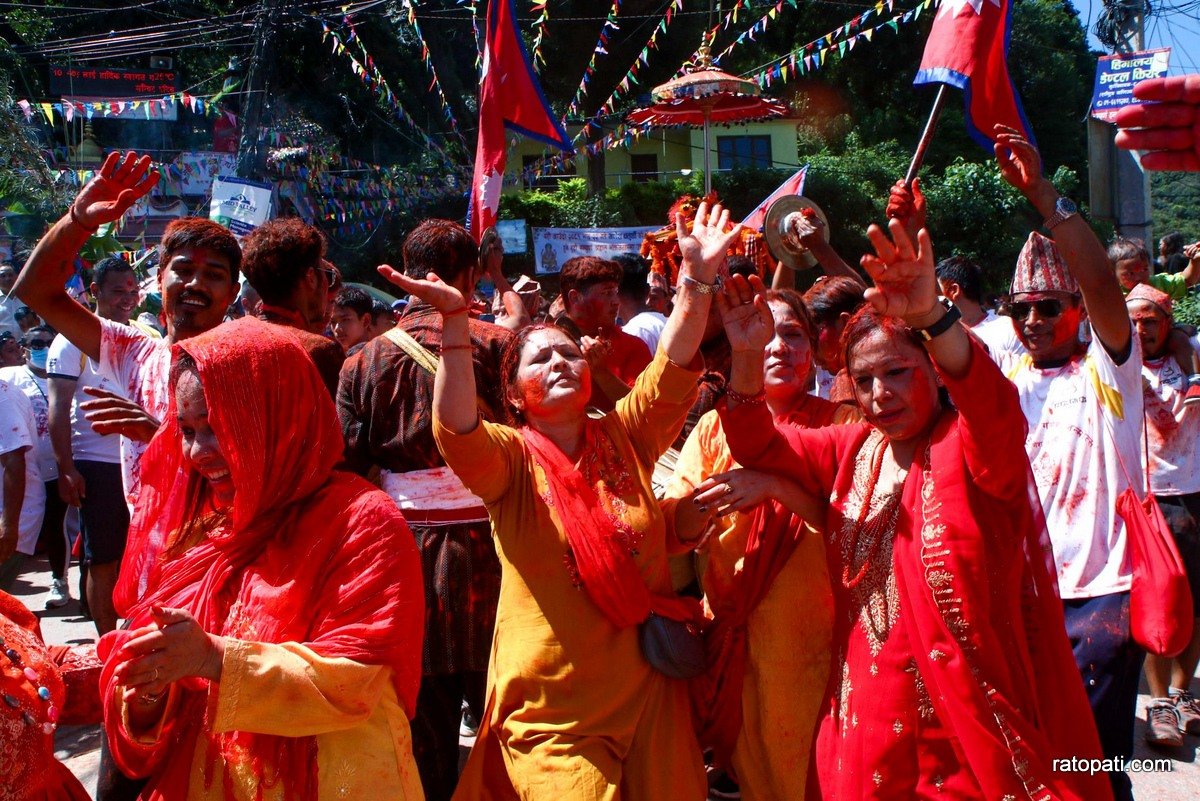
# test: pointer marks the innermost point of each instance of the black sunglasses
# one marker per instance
(1047, 308)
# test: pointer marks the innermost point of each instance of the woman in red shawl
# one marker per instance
(274, 639)
(951, 670)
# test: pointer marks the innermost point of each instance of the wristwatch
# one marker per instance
(943, 325)
(1064, 208)
(701, 287)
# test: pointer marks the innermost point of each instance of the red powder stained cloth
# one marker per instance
(978, 635)
(28, 769)
(306, 554)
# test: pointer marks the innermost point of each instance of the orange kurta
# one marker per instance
(788, 633)
(575, 712)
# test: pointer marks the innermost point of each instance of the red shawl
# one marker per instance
(308, 554)
(976, 584)
(609, 575)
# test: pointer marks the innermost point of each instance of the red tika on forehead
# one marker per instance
(1042, 268)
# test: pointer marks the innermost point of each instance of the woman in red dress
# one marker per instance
(274, 639)
(951, 673)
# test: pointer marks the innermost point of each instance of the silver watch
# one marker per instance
(1064, 208)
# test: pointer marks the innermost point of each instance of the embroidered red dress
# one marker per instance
(952, 675)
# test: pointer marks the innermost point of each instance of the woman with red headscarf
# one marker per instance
(951, 670)
(274, 639)
(576, 711)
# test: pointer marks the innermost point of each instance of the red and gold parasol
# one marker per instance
(703, 96)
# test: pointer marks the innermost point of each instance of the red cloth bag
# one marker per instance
(1160, 601)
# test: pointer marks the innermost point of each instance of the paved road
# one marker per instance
(79, 746)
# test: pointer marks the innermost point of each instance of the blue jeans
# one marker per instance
(1110, 663)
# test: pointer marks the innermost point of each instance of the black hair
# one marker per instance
(635, 277)
(355, 299)
(109, 265)
(964, 272)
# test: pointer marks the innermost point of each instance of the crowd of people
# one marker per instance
(860, 542)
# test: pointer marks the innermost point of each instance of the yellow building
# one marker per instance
(664, 153)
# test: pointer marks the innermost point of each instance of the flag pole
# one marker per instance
(926, 136)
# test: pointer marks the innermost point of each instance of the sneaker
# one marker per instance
(469, 726)
(1193, 391)
(1189, 712)
(1163, 724)
(60, 594)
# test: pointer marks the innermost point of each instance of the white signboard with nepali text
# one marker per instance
(240, 205)
(553, 246)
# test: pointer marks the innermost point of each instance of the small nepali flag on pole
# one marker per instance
(792, 186)
(509, 97)
(968, 49)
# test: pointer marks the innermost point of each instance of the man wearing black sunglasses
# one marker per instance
(1083, 405)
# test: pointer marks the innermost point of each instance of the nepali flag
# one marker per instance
(968, 48)
(792, 186)
(509, 97)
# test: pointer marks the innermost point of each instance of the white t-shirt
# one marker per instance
(140, 367)
(67, 361)
(8, 314)
(823, 382)
(648, 327)
(18, 431)
(1001, 339)
(1084, 418)
(34, 388)
(1172, 429)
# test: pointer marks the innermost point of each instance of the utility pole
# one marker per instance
(1120, 188)
(251, 161)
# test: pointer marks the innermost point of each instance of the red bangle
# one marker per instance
(455, 347)
(456, 312)
(76, 220)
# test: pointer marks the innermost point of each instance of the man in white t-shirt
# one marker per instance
(1173, 439)
(9, 303)
(198, 279)
(961, 282)
(30, 379)
(23, 494)
(89, 462)
(633, 295)
(1084, 408)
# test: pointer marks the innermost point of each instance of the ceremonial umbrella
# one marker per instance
(704, 95)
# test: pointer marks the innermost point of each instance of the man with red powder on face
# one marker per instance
(589, 287)
(1083, 405)
(198, 278)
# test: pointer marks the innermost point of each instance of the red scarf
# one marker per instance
(307, 554)
(609, 574)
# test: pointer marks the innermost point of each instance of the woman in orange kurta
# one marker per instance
(575, 712)
(786, 664)
(274, 640)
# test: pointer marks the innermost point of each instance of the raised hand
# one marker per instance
(907, 205)
(112, 414)
(705, 248)
(735, 491)
(1167, 127)
(1019, 161)
(433, 290)
(905, 281)
(119, 183)
(749, 325)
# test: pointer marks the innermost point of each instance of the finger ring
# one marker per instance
(728, 489)
(154, 676)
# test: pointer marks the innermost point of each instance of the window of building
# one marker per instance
(550, 176)
(743, 151)
(644, 167)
